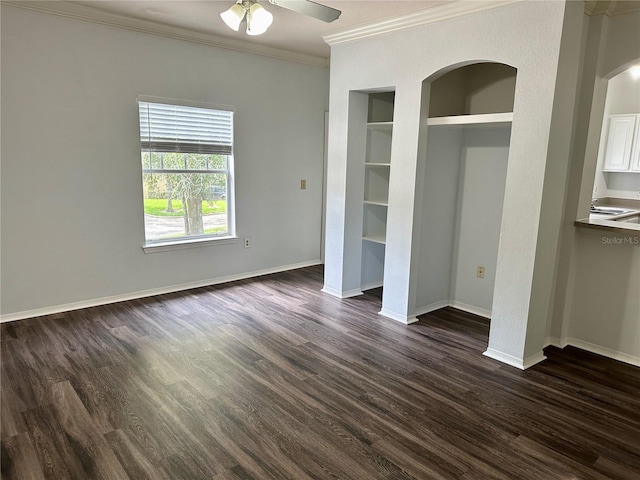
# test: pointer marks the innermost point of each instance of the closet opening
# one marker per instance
(463, 157)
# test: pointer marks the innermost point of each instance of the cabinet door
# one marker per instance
(619, 142)
(635, 152)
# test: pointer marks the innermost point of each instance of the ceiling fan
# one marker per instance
(259, 19)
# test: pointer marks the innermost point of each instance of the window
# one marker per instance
(187, 166)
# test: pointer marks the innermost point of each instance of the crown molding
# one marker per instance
(596, 7)
(89, 14)
(610, 8)
(423, 17)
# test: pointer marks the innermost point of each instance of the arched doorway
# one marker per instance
(464, 149)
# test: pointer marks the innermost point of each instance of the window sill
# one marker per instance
(183, 244)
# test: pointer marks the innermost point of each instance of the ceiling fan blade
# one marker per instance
(312, 9)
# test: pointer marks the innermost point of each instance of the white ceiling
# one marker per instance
(290, 31)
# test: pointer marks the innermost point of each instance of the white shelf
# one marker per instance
(371, 202)
(380, 125)
(487, 119)
(375, 239)
(376, 164)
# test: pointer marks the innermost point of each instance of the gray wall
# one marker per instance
(597, 292)
(481, 195)
(463, 195)
(525, 35)
(72, 217)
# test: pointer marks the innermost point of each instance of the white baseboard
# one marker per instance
(604, 351)
(481, 312)
(340, 294)
(593, 348)
(531, 360)
(370, 286)
(406, 319)
(38, 312)
(555, 342)
(432, 307)
(522, 364)
(453, 304)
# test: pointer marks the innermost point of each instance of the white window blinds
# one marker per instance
(166, 127)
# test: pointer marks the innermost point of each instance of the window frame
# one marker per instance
(158, 245)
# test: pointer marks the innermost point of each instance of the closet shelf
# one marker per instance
(375, 239)
(380, 125)
(487, 119)
(377, 164)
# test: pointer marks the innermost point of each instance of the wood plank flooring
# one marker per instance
(271, 379)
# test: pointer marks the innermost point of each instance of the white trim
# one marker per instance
(337, 293)
(481, 312)
(555, 342)
(531, 360)
(609, 8)
(406, 319)
(150, 293)
(90, 14)
(188, 243)
(514, 361)
(593, 348)
(371, 285)
(185, 103)
(432, 307)
(604, 351)
(503, 357)
(423, 17)
(478, 119)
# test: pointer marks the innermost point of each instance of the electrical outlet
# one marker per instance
(247, 242)
(303, 184)
(480, 272)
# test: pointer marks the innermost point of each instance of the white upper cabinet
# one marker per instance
(635, 151)
(620, 142)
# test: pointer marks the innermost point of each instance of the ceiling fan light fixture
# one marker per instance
(234, 16)
(258, 19)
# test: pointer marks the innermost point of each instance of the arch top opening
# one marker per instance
(478, 88)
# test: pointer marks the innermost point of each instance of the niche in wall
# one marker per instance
(370, 131)
(377, 168)
(479, 88)
(465, 152)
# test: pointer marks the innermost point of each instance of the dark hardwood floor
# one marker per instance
(271, 379)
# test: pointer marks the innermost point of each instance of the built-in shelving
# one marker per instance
(377, 163)
(380, 204)
(486, 119)
(381, 239)
(383, 126)
(376, 185)
(374, 221)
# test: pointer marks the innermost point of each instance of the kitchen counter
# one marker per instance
(613, 223)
